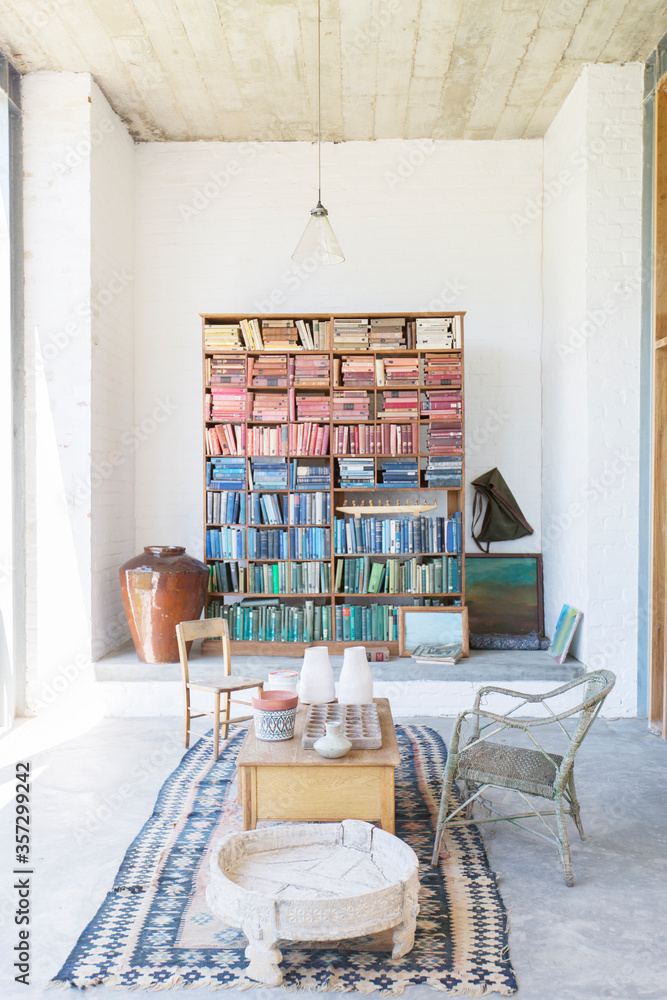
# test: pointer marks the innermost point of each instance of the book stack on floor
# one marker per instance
(311, 369)
(443, 332)
(353, 405)
(358, 370)
(430, 654)
(356, 473)
(268, 474)
(400, 371)
(279, 333)
(399, 473)
(442, 403)
(225, 369)
(444, 470)
(442, 369)
(222, 337)
(350, 334)
(309, 477)
(269, 370)
(226, 403)
(269, 407)
(399, 403)
(386, 333)
(225, 473)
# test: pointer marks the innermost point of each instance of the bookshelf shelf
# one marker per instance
(250, 427)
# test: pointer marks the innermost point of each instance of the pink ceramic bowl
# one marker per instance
(275, 701)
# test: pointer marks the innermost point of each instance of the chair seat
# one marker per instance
(510, 767)
(226, 684)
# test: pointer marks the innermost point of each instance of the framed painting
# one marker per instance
(504, 593)
(432, 625)
(568, 620)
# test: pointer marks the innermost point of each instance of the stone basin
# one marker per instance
(313, 882)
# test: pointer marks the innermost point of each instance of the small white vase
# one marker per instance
(316, 686)
(355, 686)
(333, 743)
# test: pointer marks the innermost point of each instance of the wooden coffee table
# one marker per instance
(282, 781)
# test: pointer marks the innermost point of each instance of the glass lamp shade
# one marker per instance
(319, 241)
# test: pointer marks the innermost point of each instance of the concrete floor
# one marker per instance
(605, 939)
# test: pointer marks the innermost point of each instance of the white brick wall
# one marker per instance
(591, 369)
(423, 226)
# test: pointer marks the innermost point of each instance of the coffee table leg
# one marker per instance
(263, 956)
(404, 935)
(248, 796)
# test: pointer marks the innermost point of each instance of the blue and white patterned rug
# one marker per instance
(154, 930)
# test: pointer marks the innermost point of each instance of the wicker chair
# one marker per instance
(527, 770)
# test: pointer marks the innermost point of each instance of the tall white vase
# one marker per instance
(316, 686)
(355, 686)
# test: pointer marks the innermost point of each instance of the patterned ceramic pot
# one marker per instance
(275, 715)
(161, 587)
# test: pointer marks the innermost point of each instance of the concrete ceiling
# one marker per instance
(247, 69)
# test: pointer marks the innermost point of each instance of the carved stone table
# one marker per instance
(313, 882)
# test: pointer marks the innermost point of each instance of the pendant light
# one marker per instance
(319, 241)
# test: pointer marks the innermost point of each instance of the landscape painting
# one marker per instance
(504, 594)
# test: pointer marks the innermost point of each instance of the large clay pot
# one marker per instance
(161, 588)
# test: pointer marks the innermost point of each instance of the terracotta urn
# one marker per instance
(161, 587)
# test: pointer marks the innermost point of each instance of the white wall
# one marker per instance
(424, 226)
(112, 308)
(78, 214)
(592, 283)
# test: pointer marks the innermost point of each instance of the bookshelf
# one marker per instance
(304, 415)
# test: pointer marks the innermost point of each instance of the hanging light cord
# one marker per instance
(319, 108)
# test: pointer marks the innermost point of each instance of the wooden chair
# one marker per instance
(212, 628)
(528, 770)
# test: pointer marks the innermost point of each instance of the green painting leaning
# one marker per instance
(567, 623)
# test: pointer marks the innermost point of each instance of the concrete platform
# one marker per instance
(130, 688)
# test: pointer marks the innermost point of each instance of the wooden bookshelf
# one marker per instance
(450, 499)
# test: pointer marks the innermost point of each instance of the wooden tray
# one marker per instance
(361, 724)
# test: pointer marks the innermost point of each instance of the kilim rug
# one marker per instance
(154, 930)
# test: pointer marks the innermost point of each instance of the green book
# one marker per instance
(375, 578)
(339, 574)
(367, 574)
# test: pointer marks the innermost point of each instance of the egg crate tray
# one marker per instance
(360, 723)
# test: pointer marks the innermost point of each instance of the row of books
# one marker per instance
(297, 508)
(228, 577)
(433, 575)
(356, 473)
(294, 543)
(225, 507)
(226, 543)
(439, 331)
(289, 439)
(270, 621)
(354, 405)
(444, 439)
(226, 439)
(358, 623)
(225, 369)
(374, 535)
(290, 577)
(225, 403)
(383, 439)
(270, 370)
(398, 403)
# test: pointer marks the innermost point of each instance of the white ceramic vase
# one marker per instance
(355, 686)
(333, 743)
(316, 686)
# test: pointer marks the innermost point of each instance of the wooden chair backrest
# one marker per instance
(205, 628)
